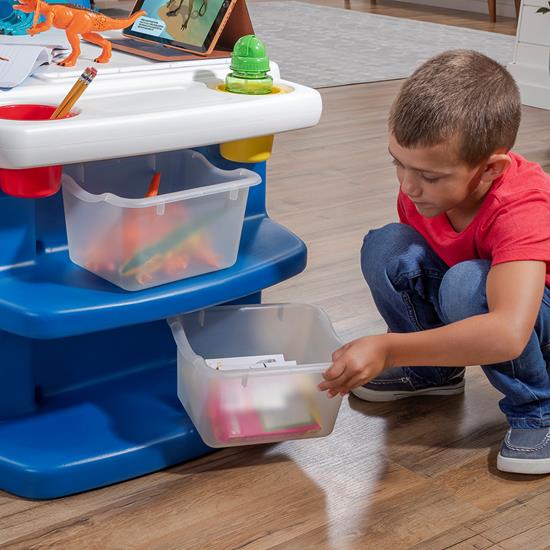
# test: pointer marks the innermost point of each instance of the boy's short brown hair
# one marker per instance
(459, 95)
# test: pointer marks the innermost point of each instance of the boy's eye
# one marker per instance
(396, 163)
(430, 179)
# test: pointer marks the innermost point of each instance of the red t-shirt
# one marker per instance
(512, 224)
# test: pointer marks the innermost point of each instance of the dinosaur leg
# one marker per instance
(74, 41)
(189, 12)
(176, 10)
(103, 43)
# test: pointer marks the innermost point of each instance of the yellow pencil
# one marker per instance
(74, 93)
(65, 101)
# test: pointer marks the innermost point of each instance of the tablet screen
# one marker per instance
(189, 24)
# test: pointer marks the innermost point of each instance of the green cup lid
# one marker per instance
(249, 55)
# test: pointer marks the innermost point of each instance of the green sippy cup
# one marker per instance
(249, 66)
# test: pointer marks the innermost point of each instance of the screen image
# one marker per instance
(185, 21)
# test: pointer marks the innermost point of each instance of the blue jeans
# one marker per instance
(415, 290)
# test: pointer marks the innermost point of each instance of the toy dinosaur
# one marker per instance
(75, 21)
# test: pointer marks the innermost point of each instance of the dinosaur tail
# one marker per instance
(115, 24)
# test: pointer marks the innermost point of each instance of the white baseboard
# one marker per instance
(505, 8)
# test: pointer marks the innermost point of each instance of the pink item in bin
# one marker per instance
(245, 414)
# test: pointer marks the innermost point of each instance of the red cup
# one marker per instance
(30, 183)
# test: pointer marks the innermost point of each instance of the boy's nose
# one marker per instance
(409, 188)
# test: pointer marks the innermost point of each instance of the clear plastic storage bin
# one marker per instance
(193, 226)
(256, 404)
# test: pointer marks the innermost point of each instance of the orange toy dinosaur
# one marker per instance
(75, 21)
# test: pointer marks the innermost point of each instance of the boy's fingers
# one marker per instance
(335, 370)
(339, 352)
(335, 384)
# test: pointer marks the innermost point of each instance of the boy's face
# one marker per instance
(435, 180)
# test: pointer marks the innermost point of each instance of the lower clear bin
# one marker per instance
(256, 404)
(193, 226)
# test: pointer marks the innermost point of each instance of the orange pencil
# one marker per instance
(153, 190)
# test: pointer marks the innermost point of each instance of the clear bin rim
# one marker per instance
(248, 179)
(198, 361)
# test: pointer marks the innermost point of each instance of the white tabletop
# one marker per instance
(138, 106)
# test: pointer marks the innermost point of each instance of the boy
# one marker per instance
(464, 278)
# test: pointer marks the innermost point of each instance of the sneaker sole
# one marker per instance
(379, 396)
(529, 466)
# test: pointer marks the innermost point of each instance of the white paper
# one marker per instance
(282, 405)
(22, 61)
(253, 361)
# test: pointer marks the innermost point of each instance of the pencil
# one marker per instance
(153, 190)
(66, 99)
(74, 93)
(4, 58)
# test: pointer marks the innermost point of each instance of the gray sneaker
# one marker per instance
(402, 382)
(525, 451)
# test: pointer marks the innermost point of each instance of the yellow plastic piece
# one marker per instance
(250, 150)
(274, 90)
(281, 89)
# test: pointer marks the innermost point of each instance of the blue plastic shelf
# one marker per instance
(53, 297)
(97, 435)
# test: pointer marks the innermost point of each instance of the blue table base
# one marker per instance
(88, 393)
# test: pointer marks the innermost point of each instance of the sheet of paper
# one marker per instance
(283, 405)
(253, 361)
(18, 62)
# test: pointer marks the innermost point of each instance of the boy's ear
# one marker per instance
(495, 166)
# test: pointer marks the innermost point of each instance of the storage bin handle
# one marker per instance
(183, 343)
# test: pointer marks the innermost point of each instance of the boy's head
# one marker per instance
(450, 128)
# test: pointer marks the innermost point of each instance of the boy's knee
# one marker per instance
(462, 292)
(383, 244)
(391, 249)
(392, 234)
(388, 241)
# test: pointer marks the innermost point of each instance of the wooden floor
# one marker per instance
(392, 475)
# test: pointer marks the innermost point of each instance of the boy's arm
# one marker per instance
(514, 294)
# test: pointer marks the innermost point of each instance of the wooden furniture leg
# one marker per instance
(518, 5)
(492, 5)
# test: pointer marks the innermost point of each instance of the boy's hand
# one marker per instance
(355, 364)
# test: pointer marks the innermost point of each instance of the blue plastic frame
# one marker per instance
(87, 370)
(14, 22)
